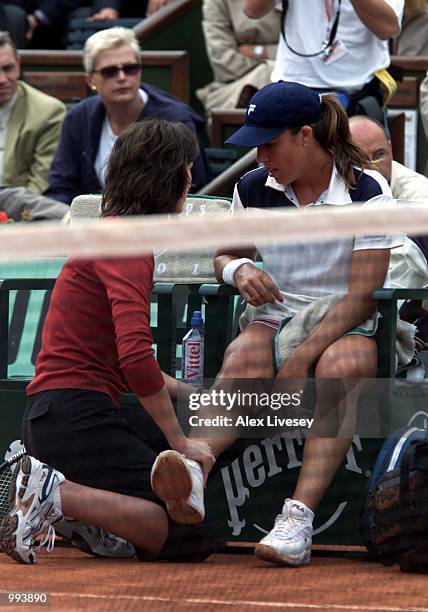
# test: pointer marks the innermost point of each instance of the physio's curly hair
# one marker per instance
(147, 172)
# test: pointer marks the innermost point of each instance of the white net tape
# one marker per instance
(135, 235)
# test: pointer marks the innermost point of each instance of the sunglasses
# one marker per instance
(110, 72)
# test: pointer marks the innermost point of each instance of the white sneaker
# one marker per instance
(179, 482)
(35, 507)
(289, 541)
(95, 541)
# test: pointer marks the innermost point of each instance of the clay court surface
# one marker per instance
(76, 581)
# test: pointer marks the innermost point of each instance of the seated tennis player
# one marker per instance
(86, 461)
(309, 160)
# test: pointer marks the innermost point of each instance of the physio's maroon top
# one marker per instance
(97, 334)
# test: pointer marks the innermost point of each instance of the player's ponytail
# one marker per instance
(332, 133)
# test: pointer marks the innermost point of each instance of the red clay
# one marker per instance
(76, 581)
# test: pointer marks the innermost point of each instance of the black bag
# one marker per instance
(368, 101)
(395, 512)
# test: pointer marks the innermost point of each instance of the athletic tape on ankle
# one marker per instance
(230, 269)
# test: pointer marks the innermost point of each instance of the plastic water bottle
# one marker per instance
(193, 352)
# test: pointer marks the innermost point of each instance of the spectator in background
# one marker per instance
(115, 9)
(413, 39)
(408, 262)
(46, 21)
(13, 19)
(241, 52)
(337, 46)
(371, 137)
(30, 125)
(113, 68)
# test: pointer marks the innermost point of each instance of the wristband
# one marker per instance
(230, 269)
(258, 51)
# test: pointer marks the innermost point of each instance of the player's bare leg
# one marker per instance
(175, 479)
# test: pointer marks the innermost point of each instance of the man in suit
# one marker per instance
(30, 125)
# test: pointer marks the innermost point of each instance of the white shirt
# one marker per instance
(406, 184)
(306, 26)
(107, 140)
(408, 264)
(306, 271)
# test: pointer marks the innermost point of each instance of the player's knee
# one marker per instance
(343, 366)
(242, 362)
(235, 363)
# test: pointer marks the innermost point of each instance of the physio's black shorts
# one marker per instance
(83, 434)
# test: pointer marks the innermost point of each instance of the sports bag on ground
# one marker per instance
(395, 512)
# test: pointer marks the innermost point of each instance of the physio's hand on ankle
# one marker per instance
(201, 452)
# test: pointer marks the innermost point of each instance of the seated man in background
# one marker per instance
(413, 39)
(408, 263)
(241, 52)
(45, 21)
(116, 9)
(408, 266)
(371, 136)
(112, 64)
(13, 19)
(30, 125)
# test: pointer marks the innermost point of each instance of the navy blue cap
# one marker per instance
(275, 108)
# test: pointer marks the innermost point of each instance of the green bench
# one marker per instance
(251, 479)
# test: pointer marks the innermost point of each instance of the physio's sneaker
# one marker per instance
(94, 541)
(36, 505)
(289, 541)
(179, 482)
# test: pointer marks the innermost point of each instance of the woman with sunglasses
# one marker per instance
(112, 65)
(97, 344)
